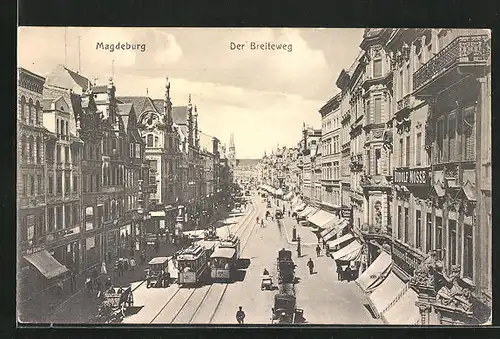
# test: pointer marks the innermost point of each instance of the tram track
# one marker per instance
(245, 223)
(250, 226)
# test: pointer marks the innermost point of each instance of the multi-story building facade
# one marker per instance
(136, 181)
(454, 79)
(355, 115)
(376, 179)
(63, 178)
(345, 144)
(162, 142)
(419, 99)
(31, 184)
(86, 124)
(310, 181)
(331, 155)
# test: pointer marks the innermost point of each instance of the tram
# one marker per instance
(192, 264)
(208, 245)
(223, 263)
(232, 241)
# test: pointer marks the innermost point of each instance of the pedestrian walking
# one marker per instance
(348, 273)
(125, 264)
(73, 282)
(289, 213)
(339, 273)
(318, 250)
(104, 270)
(120, 268)
(59, 287)
(310, 264)
(240, 316)
(132, 264)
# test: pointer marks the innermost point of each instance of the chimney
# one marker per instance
(190, 122)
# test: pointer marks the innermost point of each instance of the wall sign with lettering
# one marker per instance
(411, 176)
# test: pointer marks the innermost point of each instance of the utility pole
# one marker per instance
(79, 38)
(65, 46)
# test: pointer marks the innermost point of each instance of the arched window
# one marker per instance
(37, 113)
(30, 111)
(38, 150)
(23, 107)
(31, 148)
(23, 147)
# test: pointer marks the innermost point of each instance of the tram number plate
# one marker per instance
(222, 274)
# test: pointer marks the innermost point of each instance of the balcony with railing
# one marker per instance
(463, 56)
(403, 104)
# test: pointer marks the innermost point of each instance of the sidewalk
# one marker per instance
(80, 307)
(324, 298)
(307, 236)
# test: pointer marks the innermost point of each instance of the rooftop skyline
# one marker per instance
(260, 96)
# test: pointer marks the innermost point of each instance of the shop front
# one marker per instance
(112, 245)
(126, 243)
(92, 250)
(68, 255)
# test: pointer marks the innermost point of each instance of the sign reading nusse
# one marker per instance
(411, 176)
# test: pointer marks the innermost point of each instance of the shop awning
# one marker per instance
(288, 196)
(300, 207)
(349, 253)
(404, 311)
(279, 191)
(157, 213)
(387, 292)
(336, 230)
(375, 273)
(46, 264)
(320, 218)
(339, 241)
(305, 212)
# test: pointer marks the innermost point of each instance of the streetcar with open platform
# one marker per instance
(232, 241)
(223, 263)
(192, 264)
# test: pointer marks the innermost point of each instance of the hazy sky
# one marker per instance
(263, 97)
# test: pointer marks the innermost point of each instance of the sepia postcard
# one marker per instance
(254, 176)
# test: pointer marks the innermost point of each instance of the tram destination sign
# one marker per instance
(411, 176)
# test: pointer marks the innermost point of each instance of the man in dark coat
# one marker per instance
(310, 264)
(240, 316)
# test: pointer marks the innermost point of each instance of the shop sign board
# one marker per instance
(406, 260)
(411, 176)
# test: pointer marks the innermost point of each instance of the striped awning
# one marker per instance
(46, 264)
(320, 218)
(349, 253)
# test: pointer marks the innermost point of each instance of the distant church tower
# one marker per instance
(232, 151)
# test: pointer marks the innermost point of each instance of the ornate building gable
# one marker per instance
(446, 292)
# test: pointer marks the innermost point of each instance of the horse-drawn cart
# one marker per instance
(116, 300)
